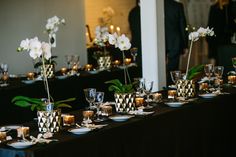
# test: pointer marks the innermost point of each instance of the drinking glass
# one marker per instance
(218, 72)
(5, 76)
(234, 63)
(98, 101)
(90, 95)
(139, 86)
(134, 53)
(68, 60)
(75, 60)
(148, 85)
(209, 69)
(175, 75)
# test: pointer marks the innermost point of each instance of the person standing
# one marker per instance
(176, 36)
(135, 28)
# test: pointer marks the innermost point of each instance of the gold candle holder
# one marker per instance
(63, 71)
(30, 76)
(75, 68)
(88, 67)
(68, 120)
(172, 94)
(157, 97)
(23, 131)
(3, 136)
(88, 114)
(106, 110)
(232, 79)
(139, 101)
(116, 63)
(203, 86)
(127, 61)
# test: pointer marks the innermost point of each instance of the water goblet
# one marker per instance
(90, 95)
(98, 101)
(68, 60)
(234, 63)
(148, 85)
(139, 86)
(175, 75)
(209, 69)
(218, 72)
(134, 53)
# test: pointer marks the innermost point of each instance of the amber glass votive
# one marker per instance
(75, 68)
(88, 114)
(30, 75)
(63, 71)
(127, 61)
(172, 94)
(68, 120)
(23, 131)
(139, 101)
(157, 97)
(232, 79)
(88, 67)
(3, 136)
(116, 63)
(106, 110)
(203, 86)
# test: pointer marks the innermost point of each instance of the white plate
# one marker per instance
(28, 81)
(9, 127)
(20, 144)
(175, 103)
(120, 118)
(208, 95)
(62, 77)
(79, 131)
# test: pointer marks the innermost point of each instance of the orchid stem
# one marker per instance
(45, 79)
(189, 55)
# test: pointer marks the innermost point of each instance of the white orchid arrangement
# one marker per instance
(53, 23)
(101, 37)
(38, 50)
(194, 36)
(123, 43)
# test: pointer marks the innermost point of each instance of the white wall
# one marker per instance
(22, 19)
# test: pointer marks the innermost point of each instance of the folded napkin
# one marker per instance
(42, 138)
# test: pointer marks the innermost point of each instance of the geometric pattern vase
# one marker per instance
(185, 88)
(49, 121)
(49, 68)
(124, 102)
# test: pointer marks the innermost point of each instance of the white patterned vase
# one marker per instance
(124, 102)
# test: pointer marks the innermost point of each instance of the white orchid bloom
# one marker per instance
(123, 43)
(25, 44)
(112, 39)
(193, 36)
(46, 48)
(63, 21)
(35, 49)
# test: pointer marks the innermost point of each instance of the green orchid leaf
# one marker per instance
(115, 82)
(194, 71)
(63, 105)
(114, 88)
(22, 104)
(33, 106)
(63, 101)
(24, 98)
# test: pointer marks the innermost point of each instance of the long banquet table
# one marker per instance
(201, 128)
(60, 89)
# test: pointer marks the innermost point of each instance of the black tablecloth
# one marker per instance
(59, 89)
(202, 128)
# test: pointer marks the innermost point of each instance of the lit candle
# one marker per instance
(203, 86)
(68, 120)
(139, 101)
(118, 30)
(116, 62)
(30, 75)
(87, 115)
(75, 68)
(171, 94)
(106, 110)
(23, 131)
(63, 71)
(112, 28)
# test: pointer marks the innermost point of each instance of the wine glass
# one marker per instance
(175, 75)
(68, 60)
(98, 101)
(234, 63)
(209, 69)
(147, 86)
(218, 72)
(134, 53)
(5, 76)
(90, 95)
(139, 86)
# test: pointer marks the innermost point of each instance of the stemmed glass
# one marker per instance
(68, 60)
(90, 95)
(218, 72)
(139, 86)
(98, 101)
(5, 76)
(209, 69)
(175, 75)
(234, 63)
(134, 53)
(147, 86)
(75, 60)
